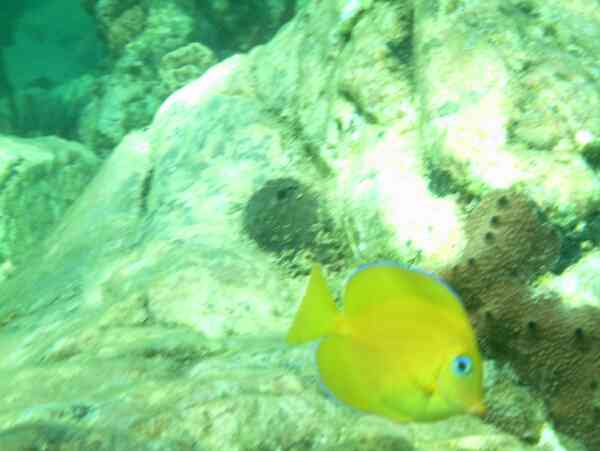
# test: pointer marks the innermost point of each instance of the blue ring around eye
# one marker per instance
(462, 365)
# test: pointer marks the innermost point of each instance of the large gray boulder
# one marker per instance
(154, 315)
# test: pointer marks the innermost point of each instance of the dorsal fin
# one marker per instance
(382, 281)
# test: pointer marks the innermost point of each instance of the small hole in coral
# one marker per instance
(579, 333)
(532, 326)
(489, 237)
(594, 385)
(471, 261)
(495, 221)
(503, 201)
(489, 316)
(285, 193)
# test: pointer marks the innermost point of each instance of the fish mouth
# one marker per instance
(478, 409)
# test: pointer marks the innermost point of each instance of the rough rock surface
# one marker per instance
(580, 284)
(153, 314)
(157, 46)
(138, 34)
(39, 179)
(169, 331)
(500, 109)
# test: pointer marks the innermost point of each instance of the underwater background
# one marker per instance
(170, 170)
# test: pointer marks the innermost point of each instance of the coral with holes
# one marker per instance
(554, 349)
(506, 238)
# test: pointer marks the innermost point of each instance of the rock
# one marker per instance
(157, 47)
(157, 309)
(39, 180)
(127, 97)
(518, 121)
(579, 285)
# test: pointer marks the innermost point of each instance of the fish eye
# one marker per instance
(462, 365)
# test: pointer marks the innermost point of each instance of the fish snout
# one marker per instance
(478, 409)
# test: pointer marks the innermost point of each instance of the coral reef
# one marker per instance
(149, 297)
(157, 47)
(125, 28)
(506, 239)
(138, 34)
(511, 405)
(184, 64)
(39, 180)
(230, 26)
(554, 349)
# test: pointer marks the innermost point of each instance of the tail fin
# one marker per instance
(316, 315)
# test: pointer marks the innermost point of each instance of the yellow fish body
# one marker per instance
(402, 347)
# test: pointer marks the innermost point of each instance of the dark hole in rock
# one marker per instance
(503, 202)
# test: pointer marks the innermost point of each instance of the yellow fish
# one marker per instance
(402, 347)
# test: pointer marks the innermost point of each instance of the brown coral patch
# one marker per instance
(554, 349)
(506, 239)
